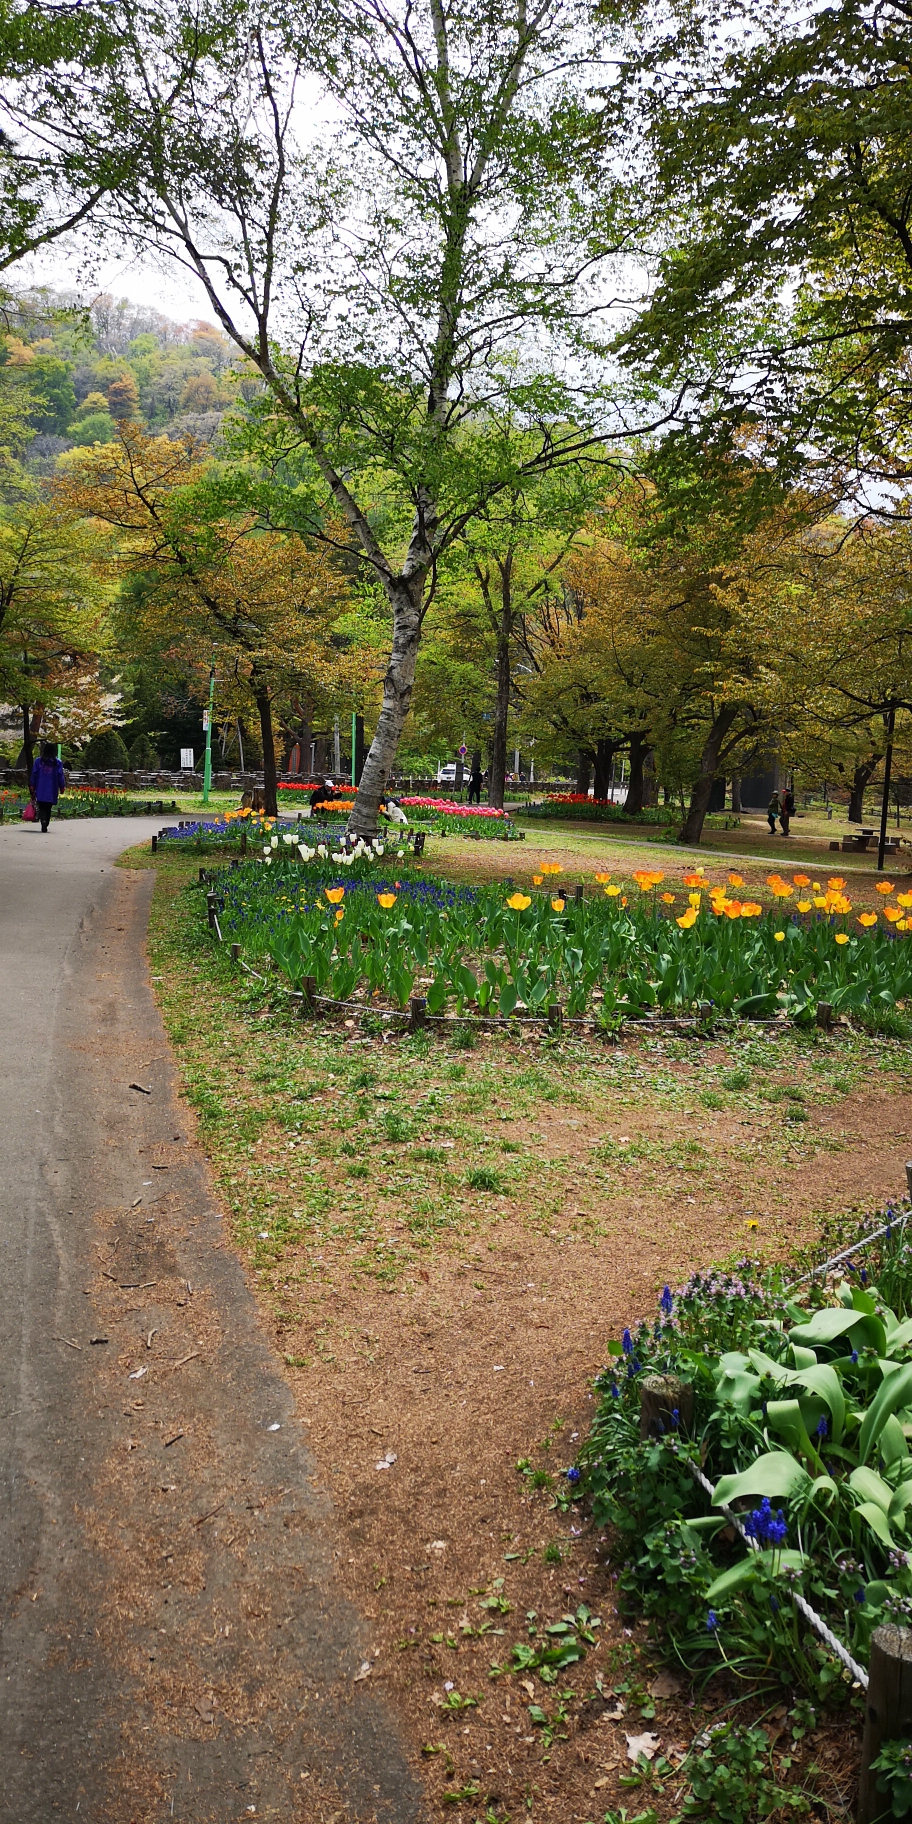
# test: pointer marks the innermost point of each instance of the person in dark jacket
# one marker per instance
(322, 794)
(475, 779)
(786, 809)
(47, 782)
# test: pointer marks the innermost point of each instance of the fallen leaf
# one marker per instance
(614, 1716)
(641, 1744)
(528, 1686)
(665, 1685)
(365, 1671)
(387, 1461)
(203, 1708)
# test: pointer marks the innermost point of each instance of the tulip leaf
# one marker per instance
(869, 1486)
(739, 1575)
(893, 1393)
(777, 1474)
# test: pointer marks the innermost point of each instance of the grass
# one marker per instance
(481, 1217)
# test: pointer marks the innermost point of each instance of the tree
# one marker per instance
(439, 264)
(211, 587)
(53, 615)
(123, 398)
(779, 139)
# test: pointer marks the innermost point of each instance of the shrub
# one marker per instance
(143, 755)
(107, 751)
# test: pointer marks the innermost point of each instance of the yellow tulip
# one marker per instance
(841, 937)
(557, 905)
(779, 936)
(536, 880)
(612, 892)
(867, 919)
(904, 899)
(686, 920)
(340, 914)
(335, 895)
(804, 905)
(517, 901)
(388, 899)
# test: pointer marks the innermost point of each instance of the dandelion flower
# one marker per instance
(519, 901)
(752, 1223)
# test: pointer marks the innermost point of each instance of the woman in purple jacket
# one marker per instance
(48, 781)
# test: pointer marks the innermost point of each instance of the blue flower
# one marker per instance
(712, 1622)
(666, 1301)
(864, 1276)
(822, 1427)
(627, 1343)
(765, 1526)
(615, 1391)
(860, 1596)
(854, 1356)
(774, 1605)
(573, 1475)
(675, 1418)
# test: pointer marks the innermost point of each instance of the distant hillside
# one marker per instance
(110, 359)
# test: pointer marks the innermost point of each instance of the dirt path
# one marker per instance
(173, 1641)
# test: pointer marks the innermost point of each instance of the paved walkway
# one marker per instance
(172, 1643)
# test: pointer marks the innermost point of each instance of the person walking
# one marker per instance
(786, 808)
(47, 782)
(773, 810)
(475, 779)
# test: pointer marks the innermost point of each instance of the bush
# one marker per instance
(143, 755)
(107, 751)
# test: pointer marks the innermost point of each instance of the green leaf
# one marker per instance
(508, 999)
(893, 1393)
(834, 1321)
(877, 1521)
(869, 1486)
(777, 1474)
(892, 1443)
(739, 1575)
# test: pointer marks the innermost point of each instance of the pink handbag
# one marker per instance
(28, 812)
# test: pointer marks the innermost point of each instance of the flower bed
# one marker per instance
(573, 807)
(618, 956)
(799, 1414)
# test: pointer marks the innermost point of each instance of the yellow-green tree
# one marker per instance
(207, 585)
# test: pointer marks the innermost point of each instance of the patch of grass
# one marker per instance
(484, 1179)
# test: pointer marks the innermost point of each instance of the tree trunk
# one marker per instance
(270, 783)
(406, 595)
(634, 801)
(605, 751)
(28, 751)
(862, 777)
(736, 793)
(584, 772)
(709, 766)
(498, 771)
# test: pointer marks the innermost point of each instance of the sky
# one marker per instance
(166, 288)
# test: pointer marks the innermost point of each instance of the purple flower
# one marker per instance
(615, 1391)
(627, 1343)
(854, 1356)
(859, 1596)
(822, 1427)
(573, 1475)
(666, 1301)
(712, 1622)
(765, 1526)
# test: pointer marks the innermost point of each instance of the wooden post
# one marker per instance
(308, 992)
(235, 953)
(909, 1177)
(704, 1010)
(578, 895)
(202, 875)
(244, 841)
(555, 1016)
(154, 839)
(824, 1015)
(661, 1396)
(888, 1713)
(419, 842)
(417, 1013)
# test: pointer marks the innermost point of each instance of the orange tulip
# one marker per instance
(386, 900)
(867, 919)
(883, 886)
(335, 894)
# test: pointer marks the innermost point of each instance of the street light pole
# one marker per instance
(207, 768)
(885, 804)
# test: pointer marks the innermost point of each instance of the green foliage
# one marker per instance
(143, 756)
(894, 1765)
(106, 751)
(808, 1407)
(95, 427)
(732, 1780)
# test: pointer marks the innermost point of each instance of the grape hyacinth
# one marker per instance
(765, 1526)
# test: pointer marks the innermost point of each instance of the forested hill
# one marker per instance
(91, 364)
